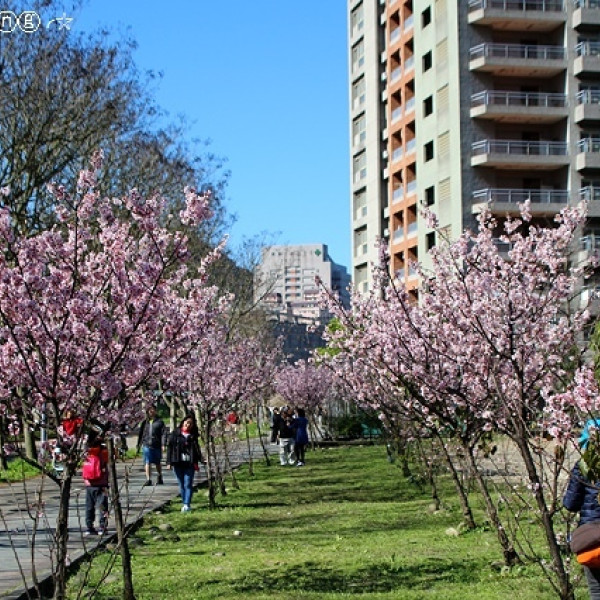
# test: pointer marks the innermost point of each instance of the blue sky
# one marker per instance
(266, 82)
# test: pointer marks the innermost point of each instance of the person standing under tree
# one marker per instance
(300, 425)
(582, 497)
(285, 438)
(152, 440)
(95, 478)
(184, 456)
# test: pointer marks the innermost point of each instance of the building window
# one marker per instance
(358, 56)
(360, 242)
(360, 204)
(426, 17)
(427, 61)
(428, 106)
(357, 19)
(359, 130)
(358, 93)
(360, 167)
(429, 196)
(430, 240)
(428, 151)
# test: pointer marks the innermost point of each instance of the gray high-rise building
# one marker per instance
(456, 104)
(285, 281)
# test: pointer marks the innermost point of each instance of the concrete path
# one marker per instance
(19, 505)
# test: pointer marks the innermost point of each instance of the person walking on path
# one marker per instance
(95, 478)
(184, 456)
(582, 496)
(285, 438)
(275, 416)
(300, 425)
(151, 439)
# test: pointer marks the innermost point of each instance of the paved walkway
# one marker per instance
(19, 504)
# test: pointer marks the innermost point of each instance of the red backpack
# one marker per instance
(92, 467)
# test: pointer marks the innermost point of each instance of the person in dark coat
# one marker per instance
(151, 439)
(582, 496)
(285, 437)
(300, 425)
(184, 457)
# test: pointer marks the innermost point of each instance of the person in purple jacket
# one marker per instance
(582, 496)
(300, 425)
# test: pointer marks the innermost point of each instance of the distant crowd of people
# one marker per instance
(289, 429)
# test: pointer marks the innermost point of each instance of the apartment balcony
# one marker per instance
(507, 200)
(591, 195)
(588, 154)
(586, 13)
(519, 107)
(587, 59)
(518, 15)
(519, 155)
(587, 106)
(518, 60)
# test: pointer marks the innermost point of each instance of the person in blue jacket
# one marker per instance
(300, 425)
(582, 496)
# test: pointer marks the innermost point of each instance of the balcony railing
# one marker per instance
(588, 96)
(523, 99)
(587, 49)
(524, 5)
(397, 154)
(590, 193)
(411, 146)
(511, 51)
(411, 187)
(398, 234)
(396, 114)
(409, 23)
(398, 194)
(412, 229)
(587, 3)
(589, 145)
(396, 74)
(520, 147)
(516, 196)
(394, 35)
(590, 242)
(409, 64)
(409, 106)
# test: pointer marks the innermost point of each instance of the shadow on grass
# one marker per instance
(385, 577)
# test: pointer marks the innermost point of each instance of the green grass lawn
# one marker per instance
(345, 526)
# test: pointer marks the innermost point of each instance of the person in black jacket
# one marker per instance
(151, 439)
(285, 437)
(184, 456)
(582, 497)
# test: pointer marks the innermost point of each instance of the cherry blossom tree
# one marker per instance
(223, 372)
(94, 311)
(490, 346)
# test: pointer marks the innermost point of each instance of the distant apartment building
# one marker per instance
(285, 282)
(456, 104)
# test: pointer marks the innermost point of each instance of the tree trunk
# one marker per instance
(430, 474)
(460, 490)
(249, 448)
(62, 535)
(558, 567)
(3, 458)
(128, 591)
(262, 445)
(510, 554)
